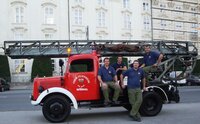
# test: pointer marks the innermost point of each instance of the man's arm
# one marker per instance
(122, 81)
(144, 83)
(160, 58)
(143, 65)
(123, 69)
(100, 80)
(115, 78)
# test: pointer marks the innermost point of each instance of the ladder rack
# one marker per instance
(58, 48)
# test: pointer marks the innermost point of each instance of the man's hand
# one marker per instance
(155, 65)
(118, 69)
(144, 89)
(104, 85)
(123, 86)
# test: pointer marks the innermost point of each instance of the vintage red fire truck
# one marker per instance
(79, 86)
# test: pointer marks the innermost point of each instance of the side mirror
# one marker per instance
(61, 62)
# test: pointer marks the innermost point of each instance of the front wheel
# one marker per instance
(151, 105)
(56, 108)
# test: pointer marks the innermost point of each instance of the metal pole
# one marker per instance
(68, 20)
(151, 21)
(87, 33)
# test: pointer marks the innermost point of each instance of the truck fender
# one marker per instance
(150, 88)
(56, 90)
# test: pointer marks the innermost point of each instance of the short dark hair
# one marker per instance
(136, 61)
(147, 45)
(105, 59)
(119, 56)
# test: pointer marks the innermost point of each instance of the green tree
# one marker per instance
(42, 67)
(197, 68)
(4, 68)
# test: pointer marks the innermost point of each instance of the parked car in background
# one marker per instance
(193, 80)
(4, 85)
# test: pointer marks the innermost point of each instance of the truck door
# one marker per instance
(82, 79)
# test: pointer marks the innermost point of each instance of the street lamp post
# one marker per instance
(68, 20)
(151, 20)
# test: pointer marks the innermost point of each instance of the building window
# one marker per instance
(178, 8)
(18, 35)
(48, 36)
(162, 5)
(101, 18)
(53, 64)
(146, 23)
(127, 21)
(145, 6)
(79, 1)
(19, 65)
(49, 15)
(126, 3)
(178, 25)
(163, 24)
(193, 25)
(78, 14)
(101, 2)
(19, 14)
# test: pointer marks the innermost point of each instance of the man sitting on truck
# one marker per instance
(151, 60)
(119, 66)
(108, 79)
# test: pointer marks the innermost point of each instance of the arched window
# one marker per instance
(101, 2)
(49, 15)
(19, 14)
(126, 4)
(146, 22)
(78, 16)
(101, 18)
(127, 21)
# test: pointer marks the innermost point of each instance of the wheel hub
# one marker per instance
(56, 108)
(151, 105)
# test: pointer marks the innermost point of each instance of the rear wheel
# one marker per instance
(151, 105)
(56, 108)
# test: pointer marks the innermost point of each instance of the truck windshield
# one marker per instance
(83, 65)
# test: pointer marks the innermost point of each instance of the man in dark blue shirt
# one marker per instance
(151, 58)
(108, 79)
(135, 76)
(119, 66)
(151, 61)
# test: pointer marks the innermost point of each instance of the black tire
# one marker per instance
(151, 105)
(177, 98)
(56, 108)
(127, 107)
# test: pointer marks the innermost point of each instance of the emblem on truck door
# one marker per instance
(81, 81)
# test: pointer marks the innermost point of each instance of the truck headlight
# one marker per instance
(40, 89)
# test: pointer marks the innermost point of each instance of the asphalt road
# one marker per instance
(19, 100)
(15, 108)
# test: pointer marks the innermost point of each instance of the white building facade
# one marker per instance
(69, 20)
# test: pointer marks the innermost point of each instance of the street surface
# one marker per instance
(15, 108)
